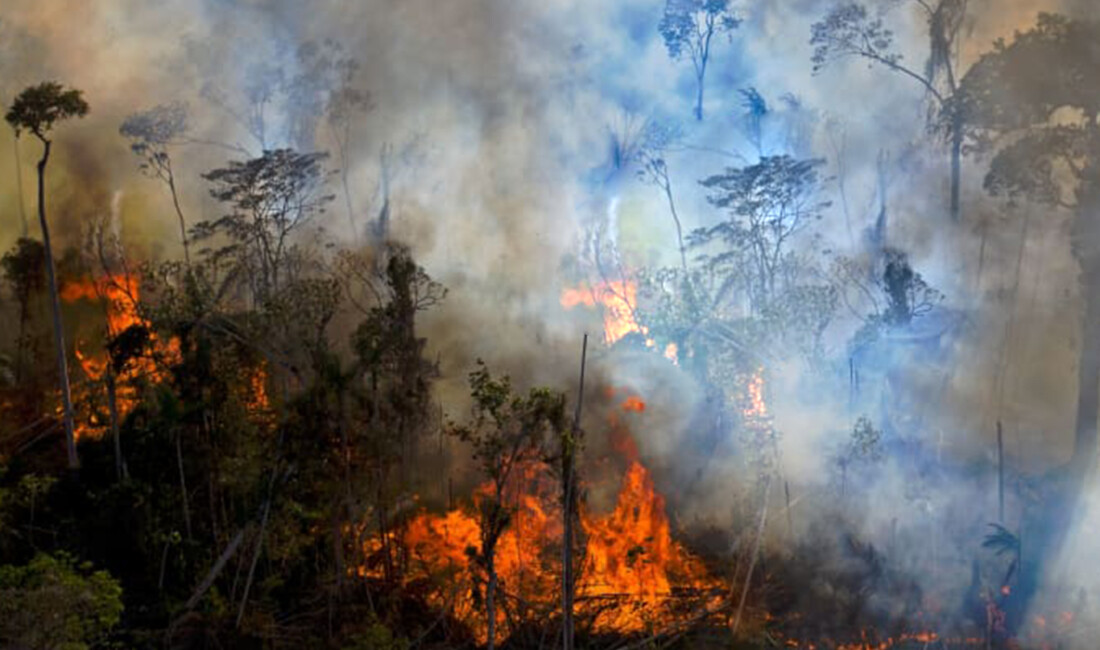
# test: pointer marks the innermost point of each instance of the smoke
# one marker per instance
(497, 116)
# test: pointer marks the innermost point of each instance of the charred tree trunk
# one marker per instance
(21, 342)
(112, 407)
(1000, 475)
(183, 486)
(956, 167)
(569, 509)
(1049, 525)
(55, 303)
(19, 182)
(490, 597)
(1088, 373)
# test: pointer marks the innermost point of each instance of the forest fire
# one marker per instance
(119, 296)
(287, 362)
(632, 568)
(630, 551)
(618, 300)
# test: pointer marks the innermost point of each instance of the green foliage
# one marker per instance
(33, 486)
(269, 198)
(507, 430)
(1016, 90)
(56, 602)
(37, 108)
(376, 636)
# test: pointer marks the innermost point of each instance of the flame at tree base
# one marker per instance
(633, 573)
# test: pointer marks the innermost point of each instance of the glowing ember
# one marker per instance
(755, 406)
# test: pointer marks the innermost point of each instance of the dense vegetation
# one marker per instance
(235, 447)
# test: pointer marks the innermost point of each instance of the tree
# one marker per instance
(507, 431)
(688, 27)
(269, 197)
(151, 133)
(768, 203)
(389, 292)
(55, 602)
(657, 142)
(1030, 104)
(37, 109)
(1025, 102)
(23, 268)
(847, 31)
(756, 109)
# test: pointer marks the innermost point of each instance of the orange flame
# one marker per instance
(618, 299)
(120, 296)
(630, 561)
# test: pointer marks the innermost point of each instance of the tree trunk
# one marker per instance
(112, 406)
(21, 343)
(19, 183)
(55, 303)
(956, 168)
(212, 574)
(179, 214)
(490, 597)
(699, 95)
(569, 509)
(1088, 374)
(183, 487)
(255, 554)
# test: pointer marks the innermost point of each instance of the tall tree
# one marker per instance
(1029, 103)
(507, 431)
(37, 109)
(848, 31)
(1034, 105)
(768, 203)
(269, 198)
(688, 27)
(23, 268)
(657, 142)
(151, 133)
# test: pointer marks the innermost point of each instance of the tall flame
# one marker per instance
(630, 558)
(120, 295)
(618, 300)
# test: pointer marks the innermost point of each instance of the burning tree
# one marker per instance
(506, 432)
(37, 109)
